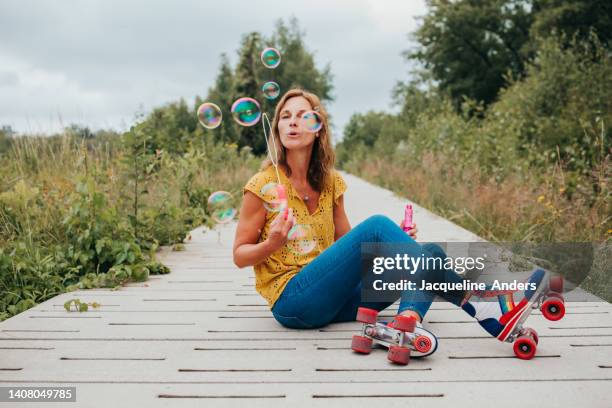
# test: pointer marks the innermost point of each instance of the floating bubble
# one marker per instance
(271, 90)
(270, 57)
(301, 239)
(221, 207)
(209, 115)
(312, 121)
(246, 111)
(271, 197)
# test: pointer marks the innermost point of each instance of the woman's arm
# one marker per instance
(247, 251)
(341, 222)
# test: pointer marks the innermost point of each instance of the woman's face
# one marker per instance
(292, 132)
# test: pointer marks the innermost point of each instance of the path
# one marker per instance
(202, 336)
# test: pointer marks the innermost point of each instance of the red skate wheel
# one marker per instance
(361, 344)
(525, 348)
(530, 332)
(422, 344)
(399, 354)
(556, 284)
(365, 315)
(553, 308)
(405, 323)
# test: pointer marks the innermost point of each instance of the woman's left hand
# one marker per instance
(412, 231)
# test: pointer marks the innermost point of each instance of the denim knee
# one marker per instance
(379, 219)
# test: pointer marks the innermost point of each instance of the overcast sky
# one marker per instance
(99, 62)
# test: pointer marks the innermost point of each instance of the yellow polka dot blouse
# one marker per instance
(272, 275)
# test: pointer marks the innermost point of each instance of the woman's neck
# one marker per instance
(298, 161)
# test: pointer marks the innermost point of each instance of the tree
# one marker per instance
(573, 18)
(469, 45)
(170, 127)
(79, 131)
(222, 94)
(297, 69)
(248, 84)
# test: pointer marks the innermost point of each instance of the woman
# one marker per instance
(309, 290)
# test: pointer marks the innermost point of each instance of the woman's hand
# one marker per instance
(279, 228)
(412, 231)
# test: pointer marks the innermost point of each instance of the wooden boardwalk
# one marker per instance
(202, 336)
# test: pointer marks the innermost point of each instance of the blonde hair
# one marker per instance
(323, 156)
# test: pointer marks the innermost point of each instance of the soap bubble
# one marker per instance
(301, 239)
(312, 121)
(271, 90)
(209, 115)
(270, 195)
(270, 57)
(221, 207)
(246, 111)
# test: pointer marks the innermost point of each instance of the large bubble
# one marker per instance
(301, 239)
(312, 121)
(246, 111)
(271, 90)
(270, 57)
(271, 197)
(209, 115)
(221, 207)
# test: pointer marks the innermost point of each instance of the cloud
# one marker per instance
(98, 62)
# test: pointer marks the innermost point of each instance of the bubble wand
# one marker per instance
(282, 192)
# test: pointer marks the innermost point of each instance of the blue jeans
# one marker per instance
(328, 289)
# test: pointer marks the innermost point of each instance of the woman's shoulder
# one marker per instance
(337, 184)
(261, 178)
(335, 177)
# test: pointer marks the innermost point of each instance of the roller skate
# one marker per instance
(509, 326)
(402, 337)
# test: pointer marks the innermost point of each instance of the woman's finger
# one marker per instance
(287, 224)
(277, 220)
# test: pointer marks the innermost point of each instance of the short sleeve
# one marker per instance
(339, 186)
(257, 183)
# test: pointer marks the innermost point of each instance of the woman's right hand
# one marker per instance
(279, 229)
